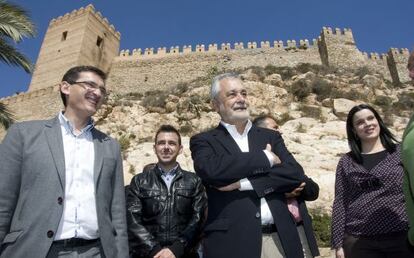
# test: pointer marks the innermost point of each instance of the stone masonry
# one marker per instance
(84, 37)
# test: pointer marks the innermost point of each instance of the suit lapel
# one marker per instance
(255, 139)
(97, 145)
(224, 138)
(55, 141)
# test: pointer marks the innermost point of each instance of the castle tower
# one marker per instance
(337, 48)
(82, 37)
(397, 63)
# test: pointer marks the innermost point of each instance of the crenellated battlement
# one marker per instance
(99, 45)
(24, 96)
(375, 56)
(214, 47)
(398, 59)
(82, 11)
(346, 32)
(399, 51)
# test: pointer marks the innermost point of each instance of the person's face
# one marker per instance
(85, 96)
(167, 148)
(366, 125)
(271, 124)
(231, 102)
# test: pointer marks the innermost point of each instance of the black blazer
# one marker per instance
(233, 227)
(309, 193)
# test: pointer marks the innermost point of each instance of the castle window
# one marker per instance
(64, 35)
(99, 41)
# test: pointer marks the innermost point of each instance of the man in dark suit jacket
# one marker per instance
(307, 191)
(61, 180)
(246, 171)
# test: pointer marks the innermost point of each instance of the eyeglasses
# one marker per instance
(88, 85)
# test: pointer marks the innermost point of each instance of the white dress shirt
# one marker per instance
(242, 141)
(167, 176)
(79, 218)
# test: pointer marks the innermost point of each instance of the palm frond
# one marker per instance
(11, 56)
(6, 116)
(15, 22)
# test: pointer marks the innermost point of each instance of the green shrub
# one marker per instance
(300, 89)
(154, 98)
(388, 117)
(321, 88)
(352, 95)
(362, 71)
(383, 101)
(180, 88)
(104, 114)
(134, 95)
(311, 111)
(259, 71)
(193, 104)
(405, 102)
(212, 72)
(304, 67)
(131, 169)
(322, 227)
(315, 68)
(284, 71)
(124, 142)
(186, 129)
(283, 118)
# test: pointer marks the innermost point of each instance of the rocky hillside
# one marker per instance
(309, 101)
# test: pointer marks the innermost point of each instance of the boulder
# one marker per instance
(274, 79)
(341, 107)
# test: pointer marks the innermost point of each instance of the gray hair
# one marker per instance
(215, 84)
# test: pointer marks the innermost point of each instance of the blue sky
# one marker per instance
(376, 25)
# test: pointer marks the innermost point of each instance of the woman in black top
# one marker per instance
(369, 218)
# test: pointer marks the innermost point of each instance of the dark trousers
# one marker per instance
(394, 245)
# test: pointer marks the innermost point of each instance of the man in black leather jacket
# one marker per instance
(165, 204)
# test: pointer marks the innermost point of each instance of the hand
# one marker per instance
(275, 158)
(339, 253)
(230, 187)
(164, 253)
(296, 192)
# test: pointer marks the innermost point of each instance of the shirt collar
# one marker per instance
(171, 172)
(233, 130)
(69, 127)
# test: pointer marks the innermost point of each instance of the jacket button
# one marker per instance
(50, 234)
(60, 200)
(257, 215)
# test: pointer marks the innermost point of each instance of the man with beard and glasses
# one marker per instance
(165, 204)
(61, 180)
(246, 171)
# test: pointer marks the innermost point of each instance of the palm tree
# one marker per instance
(15, 24)
(6, 117)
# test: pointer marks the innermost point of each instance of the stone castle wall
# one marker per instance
(33, 105)
(80, 37)
(141, 72)
(92, 40)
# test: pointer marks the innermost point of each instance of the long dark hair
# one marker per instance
(388, 140)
